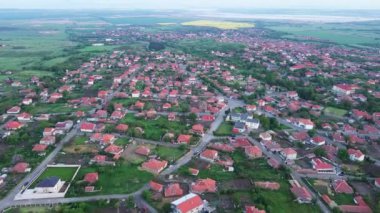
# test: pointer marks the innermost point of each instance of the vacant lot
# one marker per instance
(224, 129)
(225, 25)
(153, 129)
(335, 111)
(123, 178)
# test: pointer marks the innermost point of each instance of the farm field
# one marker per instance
(337, 33)
(225, 25)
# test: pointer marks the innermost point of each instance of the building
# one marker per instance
(341, 186)
(253, 151)
(91, 177)
(154, 166)
(173, 190)
(184, 139)
(87, 127)
(301, 193)
(204, 185)
(190, 203)
(156, 186)
(356, 155)
(322, 167)
(253, 209)
(209, 155)
(289, 154)
(49, 185)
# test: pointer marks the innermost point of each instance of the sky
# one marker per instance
(190, 4)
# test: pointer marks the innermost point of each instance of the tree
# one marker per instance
(193, 117)
(320, 152)
(343, 155)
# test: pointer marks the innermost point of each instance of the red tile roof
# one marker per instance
(91, 177)
(204, 185)
(156, 186)
(173, 190)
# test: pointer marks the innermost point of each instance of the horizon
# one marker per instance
(194, 4)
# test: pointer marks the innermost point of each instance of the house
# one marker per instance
(27, 101)
(209, 155)
(252, 123)
(301, 193)
(100, 159)
(253, 152)
(39, 148)
(184, 139)
(117, 115)
(329, 202)
(113, 149)
(322, 167)
(49, 185)
(253, 209)
(343, 89)
(62, 127)
(289, 154)
(142, 150)
(250, 108)
(356, 155)
(173, 190)
(91, 178)
(48, 140)
(377, 182)
(198, 129)
(87, 127)
(24, 117)
(156, 186)
(265, 136)
(154, 166)
(122, 127)
(305, 123)
(13, 125)
(190, 203)
(107, 139)
(14, 110)
(239, 127)
(193, 171)
(318, 141)
(301, 137)
(341, 186)
(273, 163)
(203, 185)
(49, 131)
(21, 167)
(207, 118)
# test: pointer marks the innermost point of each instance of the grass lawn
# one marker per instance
(224, 129)
(127, 102)
(120, 179)
(335, 111)
(65, 173)
(217, 173)
(80, 140)
(154, 129)
(343, 199)
(169, 153)
(225, 25)
(52, 108)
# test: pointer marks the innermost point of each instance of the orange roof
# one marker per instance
(173, 189)
(204, 185)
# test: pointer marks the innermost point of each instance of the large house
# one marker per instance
(356, 155)
(209, 155)
(190, 203)
(244, 118)
(49, 185)
(289, 154)
(154, 166)
(322, 167)
(203, 185)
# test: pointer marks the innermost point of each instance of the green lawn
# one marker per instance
(80, 140)
(335, 111)
(224, 129)
(65, 173)
(51, 108)
(169, 153)
(343, 199)
(123, 178)
(153, 129)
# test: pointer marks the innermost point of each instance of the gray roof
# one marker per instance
(239, 125)
(48, 182)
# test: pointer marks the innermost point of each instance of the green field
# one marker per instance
(335, 111)
(169, 153)
(224, 129)
(64, 173)
(153, 129)
(123, 178)
(344, 33)
(51, 108)
(224, 25)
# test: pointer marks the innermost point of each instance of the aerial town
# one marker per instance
(193, 119)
